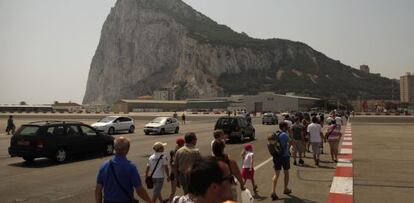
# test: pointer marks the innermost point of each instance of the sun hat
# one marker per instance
(159, 145)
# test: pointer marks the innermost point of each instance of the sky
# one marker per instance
(46, 46)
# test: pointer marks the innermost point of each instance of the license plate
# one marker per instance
(23, 143)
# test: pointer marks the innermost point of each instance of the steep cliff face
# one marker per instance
(146, 45)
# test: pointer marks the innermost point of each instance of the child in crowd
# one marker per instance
(247, 168)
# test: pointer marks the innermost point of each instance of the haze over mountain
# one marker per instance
(147, 45)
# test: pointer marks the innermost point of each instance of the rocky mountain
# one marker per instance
(147, 45)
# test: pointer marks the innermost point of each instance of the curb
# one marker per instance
(342, 183)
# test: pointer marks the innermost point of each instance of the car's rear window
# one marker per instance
(226, 122)
(28, 131)
(268, 115)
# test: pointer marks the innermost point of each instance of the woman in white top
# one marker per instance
(247, 168)
(157, 170)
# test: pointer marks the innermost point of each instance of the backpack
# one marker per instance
(276, 149)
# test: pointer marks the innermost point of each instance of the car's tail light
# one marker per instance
(39, 144)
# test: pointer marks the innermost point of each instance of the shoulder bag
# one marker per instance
(148, 179)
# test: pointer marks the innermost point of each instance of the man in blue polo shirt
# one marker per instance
(118, 177)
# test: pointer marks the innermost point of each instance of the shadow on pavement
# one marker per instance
(295, 199)
(45, 162)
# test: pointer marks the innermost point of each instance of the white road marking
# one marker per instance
(263, 163)
(342, 185)
(346, 151)
(343, 164)
(348, 138)
(344, 161)
(347, 143)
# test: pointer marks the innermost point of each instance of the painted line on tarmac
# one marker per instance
(342, 184)
(263, 163)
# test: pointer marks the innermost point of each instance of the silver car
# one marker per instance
(112, 124)
(162, 125)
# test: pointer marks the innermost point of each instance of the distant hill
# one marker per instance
(147, 45)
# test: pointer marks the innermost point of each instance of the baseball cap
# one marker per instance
(248, 147)
(180, 141)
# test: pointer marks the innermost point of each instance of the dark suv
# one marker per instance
(235, 128)
(58, 140)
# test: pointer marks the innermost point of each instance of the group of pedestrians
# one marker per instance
(212, 178)
(295, 139)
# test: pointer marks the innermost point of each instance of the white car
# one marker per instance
(112, 124)
(162, 125)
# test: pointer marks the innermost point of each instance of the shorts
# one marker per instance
(247, 173)
(298, 146)
(281, 162)
(334, 146)
(158, 182)
(316, 148)
(182, 180)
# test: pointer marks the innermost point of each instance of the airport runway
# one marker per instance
(383, 164)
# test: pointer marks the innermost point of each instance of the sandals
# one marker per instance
(274, 196)
(255, 189)
(287, 191)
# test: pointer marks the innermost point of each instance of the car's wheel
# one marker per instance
(131, 129)
(61, 155)
(109, 149)
(28, 158)
(146, 132)
(111, 131)
(177, 129)
(253, 136)
(242, 137)
(162, 132)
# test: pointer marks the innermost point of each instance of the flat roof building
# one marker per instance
(407, 88)
(265, 101)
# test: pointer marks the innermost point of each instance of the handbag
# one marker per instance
(148, 179)
(132, 199)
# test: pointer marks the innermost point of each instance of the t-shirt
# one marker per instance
(247, 160)
(314, 129)
(152, 161)
(297, 130)
(284, 139)
(334, 132)
(185, 157)
(126, 173)
(338, 120)
(329, 120)
(182, 199)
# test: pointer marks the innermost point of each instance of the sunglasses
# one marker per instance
(229, 178)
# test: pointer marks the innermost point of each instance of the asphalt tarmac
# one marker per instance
(383, 163)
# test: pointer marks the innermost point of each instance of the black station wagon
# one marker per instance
(235, 128)
(58, 140)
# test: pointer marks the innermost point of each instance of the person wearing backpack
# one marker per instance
(278, 144)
